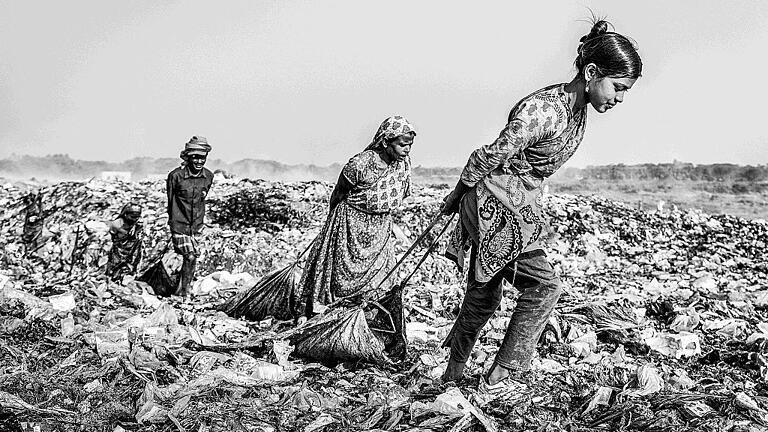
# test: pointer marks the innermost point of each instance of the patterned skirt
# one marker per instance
(500, 228)
(350, 256)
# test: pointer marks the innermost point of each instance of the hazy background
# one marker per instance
(307, 82)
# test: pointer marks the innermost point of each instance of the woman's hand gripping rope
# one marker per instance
(453, 199)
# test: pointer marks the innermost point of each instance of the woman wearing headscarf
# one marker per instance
(355, 248)
(126, 251)
(499, 199)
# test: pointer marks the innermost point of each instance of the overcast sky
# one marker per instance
(309, 81)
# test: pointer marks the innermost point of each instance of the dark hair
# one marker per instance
(613, 54)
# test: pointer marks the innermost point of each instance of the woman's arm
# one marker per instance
(452, 200)
(524, 129)
(343, 186)
(351, 175)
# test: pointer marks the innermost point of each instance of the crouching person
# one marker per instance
(126, 232)
(187, 187)
(33, 236)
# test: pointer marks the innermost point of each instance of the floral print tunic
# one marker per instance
(379, 188)
(542, 133)
(355, 249)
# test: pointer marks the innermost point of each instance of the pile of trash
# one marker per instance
(269, 206)
(662, 326)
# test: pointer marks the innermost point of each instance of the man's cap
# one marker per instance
(196, 145)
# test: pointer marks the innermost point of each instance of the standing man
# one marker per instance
(187, 187)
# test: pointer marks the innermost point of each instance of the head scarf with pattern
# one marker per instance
(390, 128)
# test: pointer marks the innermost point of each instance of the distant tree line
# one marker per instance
(680, 171)
(64, 166)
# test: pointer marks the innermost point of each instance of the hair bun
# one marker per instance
(600, 27)
(612, 53)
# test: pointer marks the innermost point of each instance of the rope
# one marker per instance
(405, 281)
(413, 246)
(304, 252)
(429, 250)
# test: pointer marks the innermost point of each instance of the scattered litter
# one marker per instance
(320, 423)
(649, 381)
(697, 410)
(646, 292)
(548, 366)
(62, 302)
(601, 397)
(679, 345)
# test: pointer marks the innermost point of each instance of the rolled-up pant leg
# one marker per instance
(540, 289)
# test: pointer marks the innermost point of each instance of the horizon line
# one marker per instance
(13, 156)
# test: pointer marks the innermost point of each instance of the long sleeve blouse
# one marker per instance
(541, 134)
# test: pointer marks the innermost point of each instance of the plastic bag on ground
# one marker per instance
(62, 302)
(685, 321)
(164, 315)
(320, 423)
(601, 397)
(453, 403)
(679, 345)
(649, 381)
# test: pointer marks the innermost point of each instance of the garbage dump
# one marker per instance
(662, 326)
